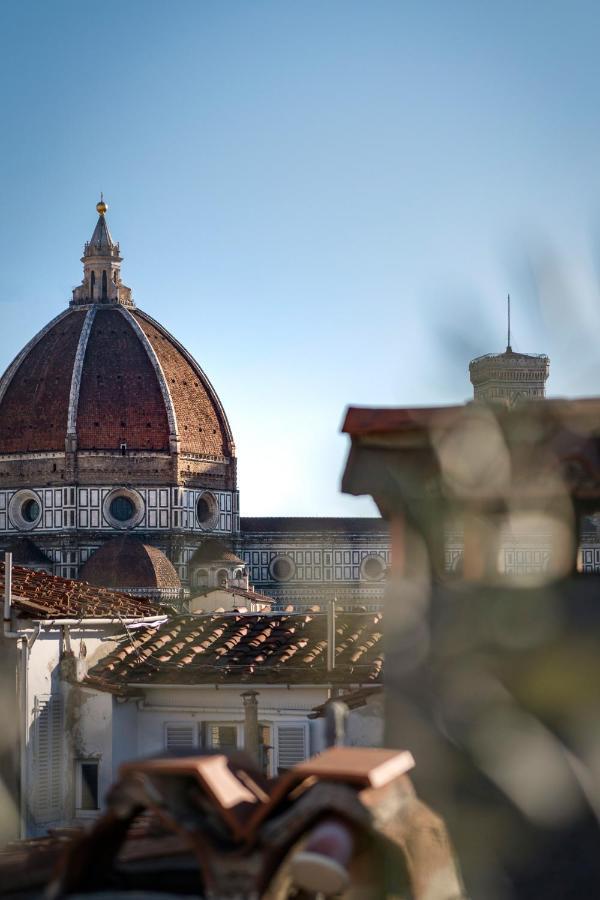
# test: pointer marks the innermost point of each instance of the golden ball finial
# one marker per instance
(101, 207)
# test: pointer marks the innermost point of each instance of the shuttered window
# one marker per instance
(291, 745)
(222, 737)
(48, 758)
(180, 736)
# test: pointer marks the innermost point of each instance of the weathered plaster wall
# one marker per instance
(83, 717)
(365, 724)
(9, 742)
(277, 705)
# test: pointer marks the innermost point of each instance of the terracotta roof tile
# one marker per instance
(213, 550)
(34, 410)
(38, 595)
(203, 426)
(126, 562)
(120, 395)
(282, 647)
(120, 400)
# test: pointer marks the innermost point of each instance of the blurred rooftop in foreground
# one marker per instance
(492, 635)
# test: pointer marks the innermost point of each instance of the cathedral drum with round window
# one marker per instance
(25, 510)
(123, 508)
(373, 568)
(282, 568)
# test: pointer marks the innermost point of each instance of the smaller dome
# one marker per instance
(127, 564)
(26, 553)
(215, 551)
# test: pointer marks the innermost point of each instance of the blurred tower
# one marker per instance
(509, 377)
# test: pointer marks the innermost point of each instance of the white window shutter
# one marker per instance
(48, 758)
(180, 736)
(291, 745)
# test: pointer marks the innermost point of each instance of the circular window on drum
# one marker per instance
(31, 511)
(25, 510)
(123, 508)
(207, 510)
(282, 568)
(373, 568)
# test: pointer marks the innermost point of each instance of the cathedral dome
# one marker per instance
(105, 376)
(108, 377)
(126, 563)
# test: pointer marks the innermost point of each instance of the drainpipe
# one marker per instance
(251, 724)
(331, 641)
(21, 690)
(22, 671)
(331, 634)
(7, 618)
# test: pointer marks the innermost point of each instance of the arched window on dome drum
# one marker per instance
(92, 284)
(201, 578)
(104, 285)
(222, 578)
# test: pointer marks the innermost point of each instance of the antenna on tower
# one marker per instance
(508, 347)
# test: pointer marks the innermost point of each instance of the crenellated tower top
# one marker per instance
(102, 267)
(509, 377)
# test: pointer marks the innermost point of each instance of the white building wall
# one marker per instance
(364, 726)
(64, 723)
(278, 707)
(124, 734)
(68, 722)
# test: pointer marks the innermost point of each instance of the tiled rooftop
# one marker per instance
(238, 595)
(33, 412)
(350, 524)
(267, 647)
(37, 595)
(201, 419)
(213, 550)
(120, 399)
(120, 396)
(127, 562)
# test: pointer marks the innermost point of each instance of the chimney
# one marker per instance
(251, 724)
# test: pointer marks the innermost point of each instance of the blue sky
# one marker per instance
(326, 202)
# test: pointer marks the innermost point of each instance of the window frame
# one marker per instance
(80, 811)
(137, 502)
(206, 726)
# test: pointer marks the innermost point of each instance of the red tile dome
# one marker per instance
(134, 385)
(127, 563)
(104, 375)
